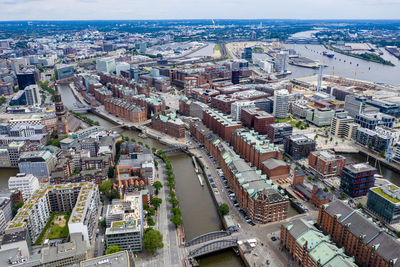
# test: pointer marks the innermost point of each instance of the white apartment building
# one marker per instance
(281, 103)
(281, 61)
(124, 219)
(236, 108)
(5, 212)
(26, 183)
(106, 65)
(35, 212)
(32, 95)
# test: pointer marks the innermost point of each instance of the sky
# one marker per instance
(197, 9)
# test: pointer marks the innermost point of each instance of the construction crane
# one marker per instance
(355, 72)
(392, 138)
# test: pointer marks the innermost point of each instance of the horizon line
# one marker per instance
(222, 19)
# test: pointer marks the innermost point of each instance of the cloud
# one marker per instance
(17, 2)
(204, 9)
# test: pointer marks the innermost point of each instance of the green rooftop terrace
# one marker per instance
(380, 192)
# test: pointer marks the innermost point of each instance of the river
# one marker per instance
(345, 66)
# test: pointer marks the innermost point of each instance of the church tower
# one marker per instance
(61, 114)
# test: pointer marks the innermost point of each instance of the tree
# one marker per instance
(359, 206)
(151, 211)
(133, 140)
(140, 143)
(333, 188)
(326, 189)
(156, 163)
(156, 202)
(342, 195)
(152, 240)
(154, 149)
(105, 187)
(103, 224)
(114, 194)
(17, 206)
(382, 153)
(176, 211)
(111, 172)
(150, 221)
(112, 249)
(174, 202)
(223, 209)
(147, 146)
(176, 220)
(303, 167)
(157, 185)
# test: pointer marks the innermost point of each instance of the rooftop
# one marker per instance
(81, 205)
(260, 142)
(360, 167)
(119, 259)
(390, 192)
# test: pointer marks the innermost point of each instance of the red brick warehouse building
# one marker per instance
(325, 163)
(169, 124)
(257, 119)
(219, 123)
(358, 235)
(254, 192)
(125, 110)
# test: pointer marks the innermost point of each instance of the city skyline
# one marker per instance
(254, 9)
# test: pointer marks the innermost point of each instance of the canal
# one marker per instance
(199, 213)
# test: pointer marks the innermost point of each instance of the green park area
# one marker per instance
(59, 228)
(295, 123)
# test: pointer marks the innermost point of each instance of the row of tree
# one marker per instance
(176, 219)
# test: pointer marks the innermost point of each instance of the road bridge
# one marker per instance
(213, 246)
(210, 243)
(207, 237)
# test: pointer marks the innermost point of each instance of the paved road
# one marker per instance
(171, 254)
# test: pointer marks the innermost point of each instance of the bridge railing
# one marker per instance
(207, 237)
(213, 247)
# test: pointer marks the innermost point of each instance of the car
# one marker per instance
(232, 194)
(252, 224)
(236, 204)
(273, 238)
